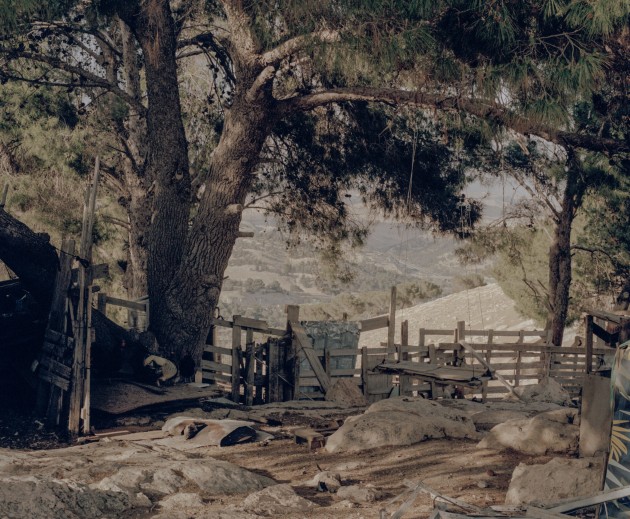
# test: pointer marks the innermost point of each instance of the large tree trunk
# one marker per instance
(560, 251)
(194, 292)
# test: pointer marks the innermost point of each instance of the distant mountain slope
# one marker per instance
(483, 308)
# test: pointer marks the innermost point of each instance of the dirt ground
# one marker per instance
(453, 467)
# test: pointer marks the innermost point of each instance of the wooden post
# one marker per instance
(273, 387)
(421, 344)
(364, 370)
(236, 368)
(250, 369)
(263, 352)
(293, 357)
(517, 371)
(589, 343)
(403, 355)
(101, 303)
(83, 338)
(461, 331)
(484, 387)
(391, 328)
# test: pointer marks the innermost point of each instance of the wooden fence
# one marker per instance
(265, 364)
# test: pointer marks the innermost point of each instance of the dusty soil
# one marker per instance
(453, 467)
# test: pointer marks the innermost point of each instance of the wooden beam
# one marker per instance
(596, 499)
(245, 234)
(132, 305)
(374, 323)
(306, 345)
(483, 362)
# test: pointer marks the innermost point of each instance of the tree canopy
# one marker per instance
(302, 102)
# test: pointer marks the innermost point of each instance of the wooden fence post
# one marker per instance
(293, 358)
(83, 337)
(403, 355)
(391, 328)
(589, 343)
(236, 362)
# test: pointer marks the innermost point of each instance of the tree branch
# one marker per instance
(594, 250)
(91, 79)
(274, 56)
(476, 107)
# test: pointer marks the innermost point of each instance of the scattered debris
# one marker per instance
(325, 481)
(196, 432)
(311, 437)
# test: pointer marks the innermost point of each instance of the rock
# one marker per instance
(400, 421)
(358, 494)
(325, 481)
(482, 484)
(554, 481)
(548, 390)
(37, 497)
(275, 500)
(538, 435)
(181, 501)
(345, 392)
(487, 419)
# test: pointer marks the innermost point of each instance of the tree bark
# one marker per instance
(560, 268)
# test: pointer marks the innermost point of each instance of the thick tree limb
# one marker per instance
(476, 107)
(274, 56)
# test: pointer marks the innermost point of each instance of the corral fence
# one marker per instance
(262, 364)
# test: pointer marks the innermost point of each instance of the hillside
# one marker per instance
(485, 308)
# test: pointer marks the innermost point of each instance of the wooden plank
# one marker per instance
(606, 316)
(375, 323)
(207, 375)
(131, 305)
(209, 365)
(246, 322)
(56, 367)
(307, 347)
(343, 352)
(218, 349)
(541, 513)
(500, 378)
(600, 497)
(50, 399)
(60, 382)
(273, 367)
